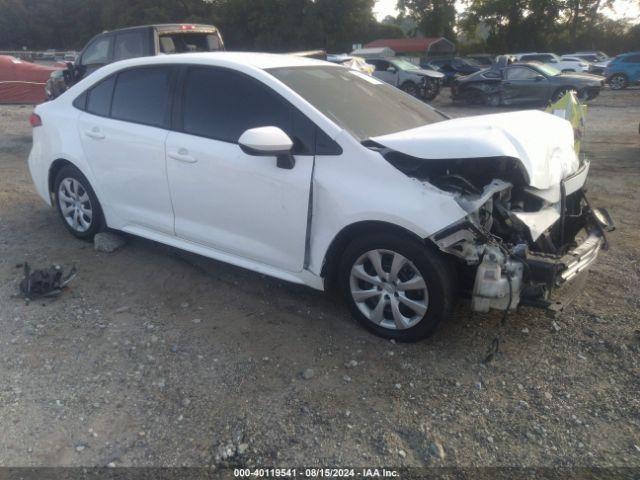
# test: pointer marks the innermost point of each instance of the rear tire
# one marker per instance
(619, 81)
(395, 286)
(410, 88)
(77, 203)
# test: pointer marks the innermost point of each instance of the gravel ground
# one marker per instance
(160, 358)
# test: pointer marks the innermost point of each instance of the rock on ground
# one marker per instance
(108, 242)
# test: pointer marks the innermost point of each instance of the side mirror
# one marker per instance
(539, 78)
(553, 60)
(391, 69)
(268, 142)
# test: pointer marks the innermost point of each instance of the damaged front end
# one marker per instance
(518, 245)
(523, 246)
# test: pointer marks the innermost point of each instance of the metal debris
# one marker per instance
(48, 282)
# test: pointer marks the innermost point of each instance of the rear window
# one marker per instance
(142, 96)
(180, 42)
(99, 97)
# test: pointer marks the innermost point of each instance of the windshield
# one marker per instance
(404, 64)
(359, 103)
(548, 70)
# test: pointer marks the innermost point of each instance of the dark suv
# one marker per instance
(134, 42)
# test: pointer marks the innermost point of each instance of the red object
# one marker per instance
(187, 27)
(35, 120)
(404, 45)
(22, 82)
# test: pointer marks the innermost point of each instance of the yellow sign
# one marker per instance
(570, 108)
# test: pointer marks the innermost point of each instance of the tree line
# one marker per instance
(266, 25)
(509, 26)
(495, 26)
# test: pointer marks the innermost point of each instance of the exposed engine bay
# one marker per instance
(517, 244)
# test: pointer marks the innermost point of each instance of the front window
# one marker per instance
(363, 105)
(129, 45)
(548, 70)
(521, 73)
(98, 52)
(402, 64)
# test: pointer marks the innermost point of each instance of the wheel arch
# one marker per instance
(347, 234)
(409, 81)
(54, 168)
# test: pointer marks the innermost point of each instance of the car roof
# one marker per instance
(260, 61)
(167, 26)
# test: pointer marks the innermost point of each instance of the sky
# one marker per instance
(621, 9)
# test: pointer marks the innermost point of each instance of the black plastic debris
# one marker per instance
(45, 282)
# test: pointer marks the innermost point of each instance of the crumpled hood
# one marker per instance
(428, 73)
(543, 143)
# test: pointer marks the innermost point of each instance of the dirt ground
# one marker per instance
(161, 358)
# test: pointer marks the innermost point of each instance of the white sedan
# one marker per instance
(320, 175)
(565, 64)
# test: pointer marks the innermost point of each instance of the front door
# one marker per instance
(124, 141)
(522, 84)
(386, 72)
(224, 198)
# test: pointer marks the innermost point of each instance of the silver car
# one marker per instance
(400, 73)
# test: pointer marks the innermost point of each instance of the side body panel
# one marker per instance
(238, 203)
(360, 185)
(128, 164)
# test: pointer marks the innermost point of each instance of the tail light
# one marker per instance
(35, 120)
(187, 27)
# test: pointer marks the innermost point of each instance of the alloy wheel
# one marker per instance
(410, 88)
(75, 204)
(388, 289)
(618, 82)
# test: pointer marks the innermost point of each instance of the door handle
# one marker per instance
(507, 83)
(94, 133)
(182, 155)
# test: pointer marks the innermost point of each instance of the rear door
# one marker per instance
(223, 198)
(522, 84)
(123, 131)
(631, 66)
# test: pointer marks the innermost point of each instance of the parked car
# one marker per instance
(401, 73)
(579, 64)
(349, 61)
(597, 60)
(592, 55)
(286, 166)
(624, 70)
(451, 67)
(523, 83)
(554, 61)
(134, 42)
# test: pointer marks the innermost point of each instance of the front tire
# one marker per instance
(431, 90)
(395, 286)
(77, 203)
(561, 92)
